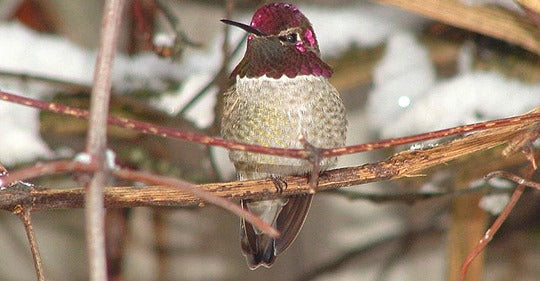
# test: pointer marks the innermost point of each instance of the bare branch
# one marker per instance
(515, 178)
(24, 214)
(123, 197)
(510, 124)
(97, 139)
(403, 164)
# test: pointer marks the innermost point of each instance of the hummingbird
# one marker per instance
(280, 92)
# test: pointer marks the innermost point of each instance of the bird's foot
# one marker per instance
(315, 157)
(279, 183)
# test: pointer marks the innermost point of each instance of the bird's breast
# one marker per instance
(276, 112)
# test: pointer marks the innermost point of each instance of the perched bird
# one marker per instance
(280, 92)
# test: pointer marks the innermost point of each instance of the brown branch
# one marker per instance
(24, 214)
(488, 20)
(524, 143)
(403, 164)
(54, 199)
(96, 142)
(200, 193)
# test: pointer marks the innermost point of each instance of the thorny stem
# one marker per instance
(97, 140)
(25, 216)
(148, 128)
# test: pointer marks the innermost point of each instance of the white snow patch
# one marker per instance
(20, 140)
(83, 157)
(494, 203)
(27, 52)
(363, 24)
(164, 39)
(201, 113)
(500, 183)
(465, 99)
(405, 71)
(477, 183)
(224, 166)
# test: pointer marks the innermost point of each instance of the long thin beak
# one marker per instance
(245, 27)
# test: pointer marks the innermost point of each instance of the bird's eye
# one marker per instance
(290, 38)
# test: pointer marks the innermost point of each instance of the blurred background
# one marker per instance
(399, 74)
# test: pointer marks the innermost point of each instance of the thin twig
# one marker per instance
(161, 244)
(24, 214)
(515, 178)
(208, 197)
(490, 233)
(151, 129)
(97, 139)
(75, 196)
(404, 164)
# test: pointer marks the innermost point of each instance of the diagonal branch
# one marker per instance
(18, 195)
(25, 216)
(492, 230)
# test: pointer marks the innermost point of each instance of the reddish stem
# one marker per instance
(515, 178)
(148, 128)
